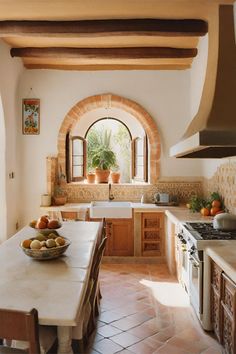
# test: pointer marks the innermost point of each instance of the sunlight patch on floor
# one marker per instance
(167, 294)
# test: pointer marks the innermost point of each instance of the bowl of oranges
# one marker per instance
(46, 245)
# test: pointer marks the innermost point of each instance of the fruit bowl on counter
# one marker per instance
(46, 245)
(44, 223)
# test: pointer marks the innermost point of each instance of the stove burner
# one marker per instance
(207, 232)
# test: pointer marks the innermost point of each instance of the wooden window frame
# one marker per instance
(83, 177)
(144, 178)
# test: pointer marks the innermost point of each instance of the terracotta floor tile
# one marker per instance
(169, 349)
(110, 316)
(125, 339)
(142, 331)
(143, 348)
(108, 331)
(147, 323)
(106, 346)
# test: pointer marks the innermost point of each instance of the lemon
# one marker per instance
(50, 243)
(40, 237)
(60, 241)
(35, 244)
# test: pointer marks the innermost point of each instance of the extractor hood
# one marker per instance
(212, 132)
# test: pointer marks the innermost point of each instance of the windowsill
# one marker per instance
(84, 183)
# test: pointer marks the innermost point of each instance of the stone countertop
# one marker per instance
(175, 213)
(225, 256)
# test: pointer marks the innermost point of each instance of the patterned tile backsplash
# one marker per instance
(223, 181)
(84, 192)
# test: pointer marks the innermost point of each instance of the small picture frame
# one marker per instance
(31, 116)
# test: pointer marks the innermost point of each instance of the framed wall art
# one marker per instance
(30, 116)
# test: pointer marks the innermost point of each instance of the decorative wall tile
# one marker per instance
(224, 182)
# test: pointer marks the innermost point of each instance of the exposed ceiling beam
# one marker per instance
(108, 67)
(105, 53)
(115, 27)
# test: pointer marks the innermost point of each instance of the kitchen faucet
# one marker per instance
(111, 196)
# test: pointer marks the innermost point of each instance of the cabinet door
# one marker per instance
(152, 234)
(120, 237)
(216, 285)
(228, 303)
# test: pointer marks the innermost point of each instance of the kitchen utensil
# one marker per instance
(162, 197)
(224, 222)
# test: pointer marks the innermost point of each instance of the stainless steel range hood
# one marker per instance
(212, 132)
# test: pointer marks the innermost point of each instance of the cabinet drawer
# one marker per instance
(229, 294)
(151, 235)
(151, 249)
(216, 272)
(152, 220)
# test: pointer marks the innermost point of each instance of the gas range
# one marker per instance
(193, 265)
(200, 235)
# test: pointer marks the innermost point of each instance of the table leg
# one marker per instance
(64, 334)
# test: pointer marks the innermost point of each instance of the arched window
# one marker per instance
(130, 152)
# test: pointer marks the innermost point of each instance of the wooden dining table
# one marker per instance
(55, 287)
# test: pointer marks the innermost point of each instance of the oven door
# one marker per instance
(196, 284)
(182, 263)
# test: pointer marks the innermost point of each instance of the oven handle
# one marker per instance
(194, 262)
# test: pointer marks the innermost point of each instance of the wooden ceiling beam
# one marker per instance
(105, 53)
(148, 27)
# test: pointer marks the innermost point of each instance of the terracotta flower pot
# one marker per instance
(115, 177)
(102, 176)
(91, 177)
(59, 200)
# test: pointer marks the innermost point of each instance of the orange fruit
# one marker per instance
(216, 204)
(26, 243)
(205, 211)
(214, 210)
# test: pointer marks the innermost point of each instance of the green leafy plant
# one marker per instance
(103, 158)
(101, 154)
(197, 203)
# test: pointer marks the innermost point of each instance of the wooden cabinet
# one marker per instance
(152, 233)
(223, 308)
(120, 238)
(216, 285)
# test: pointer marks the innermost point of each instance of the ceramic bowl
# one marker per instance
(49, 253)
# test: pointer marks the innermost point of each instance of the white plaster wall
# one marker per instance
(165, 95)
(10, 71)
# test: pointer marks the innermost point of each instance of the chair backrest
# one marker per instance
(98, 259)
(20, 325)
(81, 215)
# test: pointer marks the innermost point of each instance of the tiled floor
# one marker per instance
(145, 311)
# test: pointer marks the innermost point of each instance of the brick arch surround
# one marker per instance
(137, 111)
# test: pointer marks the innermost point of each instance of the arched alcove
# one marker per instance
(136, 110)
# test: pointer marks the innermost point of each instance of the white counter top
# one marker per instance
(224, 255)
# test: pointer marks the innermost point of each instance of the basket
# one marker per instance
(50, 253)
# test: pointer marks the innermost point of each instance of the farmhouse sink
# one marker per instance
(107, 209)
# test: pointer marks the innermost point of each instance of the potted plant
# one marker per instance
(103, 159)
(115, 174)
(91, 177)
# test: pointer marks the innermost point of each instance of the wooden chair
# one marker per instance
(95, 295)
(12, 320)
(81, 215)
(19, 325)
(81, 332)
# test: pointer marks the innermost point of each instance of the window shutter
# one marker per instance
(77, 158)
(139, 159)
